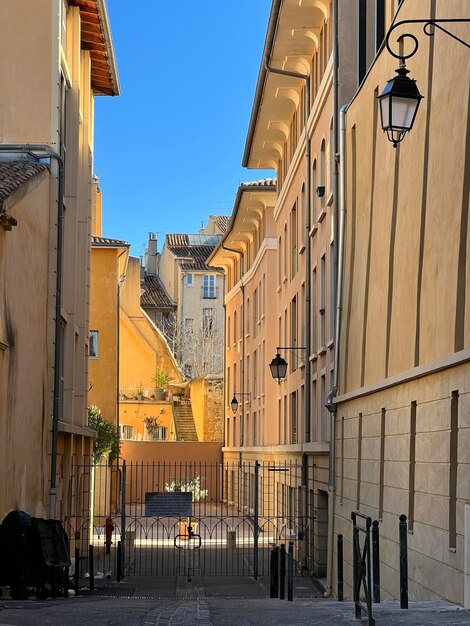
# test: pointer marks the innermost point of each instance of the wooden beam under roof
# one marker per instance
(96, 37)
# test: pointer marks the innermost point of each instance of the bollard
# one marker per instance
(339, 555)
(119, 563)
(375, 561)
(290, 572)
(403, 561)
(282, 572)
(77, 570)
(91, 567)
(274, 579)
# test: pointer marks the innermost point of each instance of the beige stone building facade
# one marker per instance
(197, 327)
(403, 404)
(399, 412)
(64, 60)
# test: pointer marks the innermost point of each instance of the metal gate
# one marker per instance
(172, 519)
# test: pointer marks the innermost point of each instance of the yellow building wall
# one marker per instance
(143, 347)
(134, 413)
(32, 24)
(102, 371)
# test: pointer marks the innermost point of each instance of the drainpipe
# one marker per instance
(51, 154)
(242, 373)
(331, 405)
(121, 280)
(308, 312)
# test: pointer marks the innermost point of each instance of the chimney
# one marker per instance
(151, 255)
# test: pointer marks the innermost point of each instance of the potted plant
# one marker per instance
(162, 379)
(152, 425)
(140, 391)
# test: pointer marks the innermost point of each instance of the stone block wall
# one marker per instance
(406, 449)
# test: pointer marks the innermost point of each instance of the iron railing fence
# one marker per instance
(213, 518)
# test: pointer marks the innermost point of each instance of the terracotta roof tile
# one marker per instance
(154, 294)
(263, 182)
(107, 242)
(193, 250)
(221, 221)
(13, 174)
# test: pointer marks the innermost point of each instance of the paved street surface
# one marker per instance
(223, 601)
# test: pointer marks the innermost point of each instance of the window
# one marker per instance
(323, 175)
(93, 349)
(189, 325)
(293, 241)
(189, 280)
(293, 418)
(314, 311)
(255, 374)
(322, 408)
(228, 332)
(323, 302)
(158, 433)
(313, 208)
(285, 251)
(235, 327)
(255, 313)
(208, 289)
(248, 316)
(208, 320)
(126, 432)
(332, 292)
(293, 332)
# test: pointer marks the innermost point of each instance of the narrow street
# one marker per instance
(218, 601)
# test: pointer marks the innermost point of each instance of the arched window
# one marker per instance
(323, 175)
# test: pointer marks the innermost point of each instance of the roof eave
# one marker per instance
(244, 187)
(272, 24)
(103, 12)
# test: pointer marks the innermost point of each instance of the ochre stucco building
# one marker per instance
(56, 57)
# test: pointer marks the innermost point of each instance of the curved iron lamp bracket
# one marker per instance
(428, 29)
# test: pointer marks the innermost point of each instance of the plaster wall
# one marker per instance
(208, 408)
(25, 404)
(102, 371)
(143, 347)
(26, 104)
(406, 321)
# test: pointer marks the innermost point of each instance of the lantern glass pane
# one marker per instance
(385, 111)
(403, 112)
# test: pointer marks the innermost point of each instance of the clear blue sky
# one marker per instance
(168, 150)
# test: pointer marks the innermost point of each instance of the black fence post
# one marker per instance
(375, 561)
(77, 570)
(119, 562)
(339, 556)
(91, 567)
(282, 572)
(274, 586)
(403, 530)
(290, 572)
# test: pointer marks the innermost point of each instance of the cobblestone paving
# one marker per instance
(214, 604)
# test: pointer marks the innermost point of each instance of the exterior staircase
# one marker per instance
(184, 422)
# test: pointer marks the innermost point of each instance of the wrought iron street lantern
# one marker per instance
(399, 103)
(400, 99)
(234, 402)
(278, 367)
